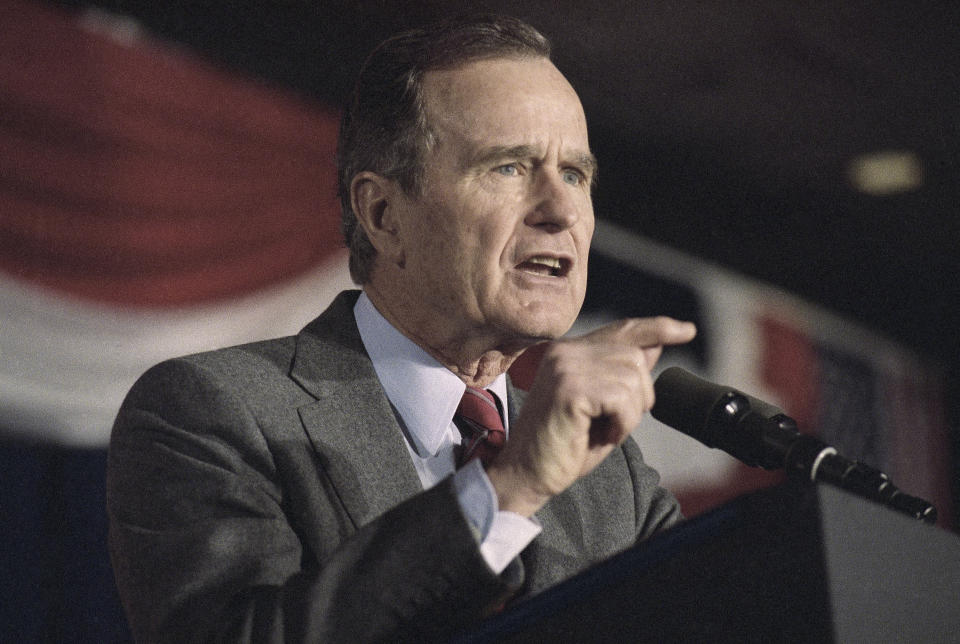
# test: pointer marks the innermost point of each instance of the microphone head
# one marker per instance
(722, 417)
(686, 402)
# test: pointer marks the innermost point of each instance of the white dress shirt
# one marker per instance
(425, 395)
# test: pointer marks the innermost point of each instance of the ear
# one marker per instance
(374, 199)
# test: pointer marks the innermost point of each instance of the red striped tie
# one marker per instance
(478, 419)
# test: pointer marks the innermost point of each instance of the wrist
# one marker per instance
(514, 490)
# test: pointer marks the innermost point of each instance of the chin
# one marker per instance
(537, 328)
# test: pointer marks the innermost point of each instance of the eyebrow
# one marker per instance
(496, 152)
(585, 160)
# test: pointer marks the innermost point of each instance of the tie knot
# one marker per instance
(478, 418)
(480, 406)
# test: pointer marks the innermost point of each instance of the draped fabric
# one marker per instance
(151, 205)
(133, 173)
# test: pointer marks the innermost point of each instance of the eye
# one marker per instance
(573, 177)
(508, 170)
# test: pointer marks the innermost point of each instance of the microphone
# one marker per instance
(761, 435)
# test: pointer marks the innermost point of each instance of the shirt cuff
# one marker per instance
(503, 535)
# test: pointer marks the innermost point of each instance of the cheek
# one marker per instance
(445, 255)
(471, 237)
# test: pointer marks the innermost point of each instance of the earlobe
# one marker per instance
(373, 198)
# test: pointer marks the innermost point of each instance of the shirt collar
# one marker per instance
(424, 392)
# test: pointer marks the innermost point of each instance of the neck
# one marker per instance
(477, 359)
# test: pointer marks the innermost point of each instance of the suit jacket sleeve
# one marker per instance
(207, 543)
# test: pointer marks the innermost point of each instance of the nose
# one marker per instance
(557, 205)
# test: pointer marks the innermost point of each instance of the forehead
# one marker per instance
(507, 100)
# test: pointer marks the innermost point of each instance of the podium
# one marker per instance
(794, 563)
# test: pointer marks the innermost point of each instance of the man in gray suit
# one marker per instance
(305, 488)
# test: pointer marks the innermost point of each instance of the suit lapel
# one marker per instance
(351, 425)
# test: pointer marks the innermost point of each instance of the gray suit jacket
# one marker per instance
(264, 492)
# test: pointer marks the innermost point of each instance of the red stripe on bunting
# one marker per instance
(789, 367)
(144, 176)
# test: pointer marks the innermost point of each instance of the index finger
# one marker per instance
(647, 333)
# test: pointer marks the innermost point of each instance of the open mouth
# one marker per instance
(547, 266)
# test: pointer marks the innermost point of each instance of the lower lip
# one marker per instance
(541, 279)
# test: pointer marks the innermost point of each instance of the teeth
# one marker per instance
(552, 262)
(542, 266)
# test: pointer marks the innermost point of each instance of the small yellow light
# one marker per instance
(886, 173)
